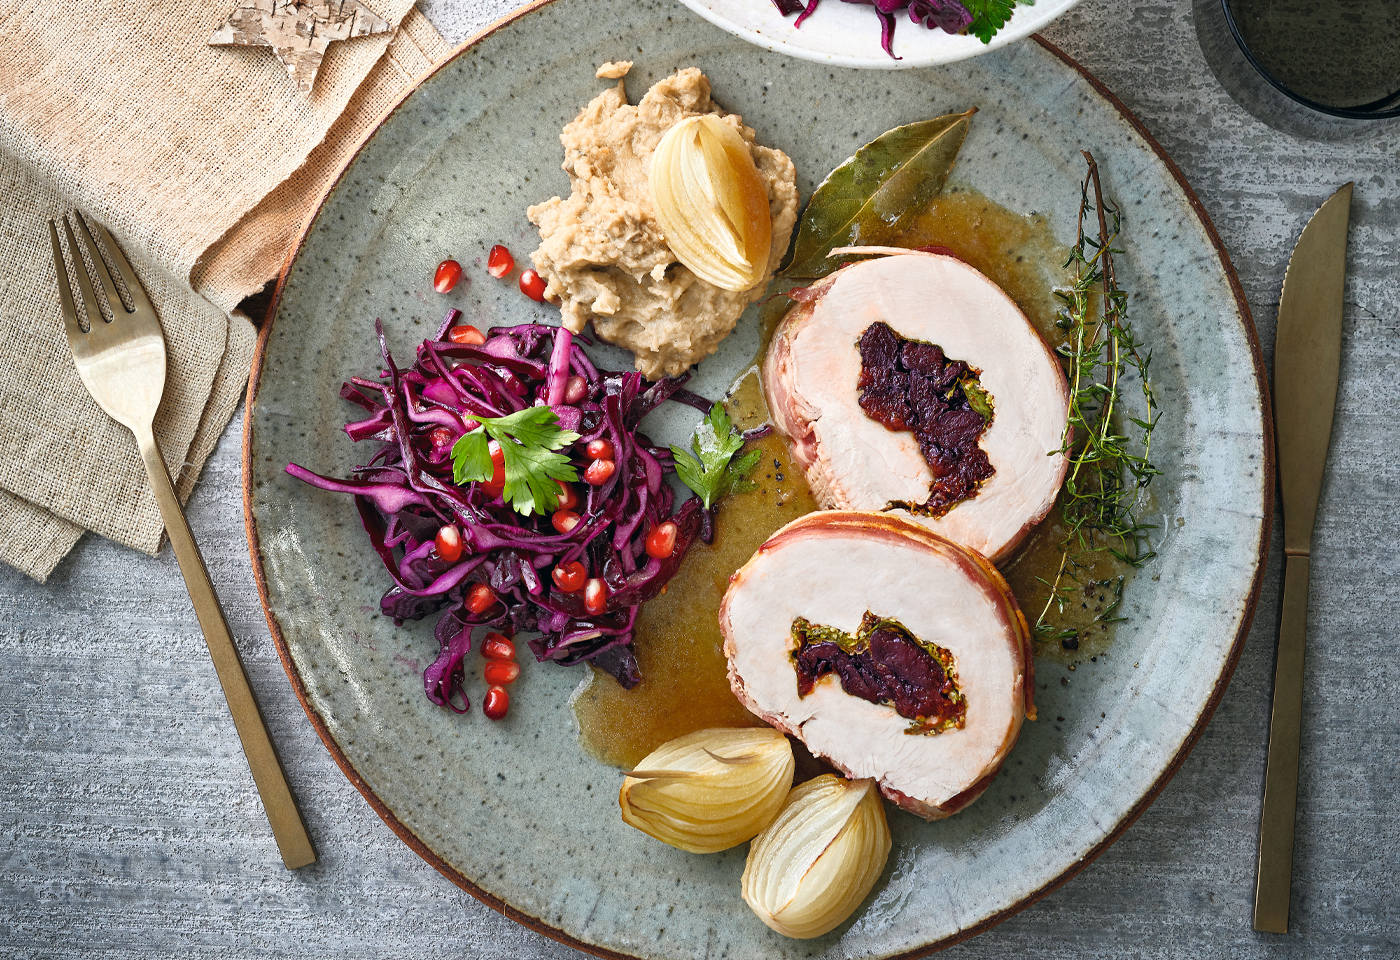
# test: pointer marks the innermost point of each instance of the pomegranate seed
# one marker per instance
(499, 674)
(449, 543)
(568, 496)
(467, 334)
(599, 450)
(441, 437)
(447, 275)
(564, 520)
(569, 577)
(480, 598)
(595, 596)
(575, 389)
(532, 285)
(495, 646)
(497, 483)
(496, 704)
(499, 262)
(599, 471)
(661, 542)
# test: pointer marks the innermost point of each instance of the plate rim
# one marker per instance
(411, 839)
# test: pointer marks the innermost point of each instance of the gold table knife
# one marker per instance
(1307, 356)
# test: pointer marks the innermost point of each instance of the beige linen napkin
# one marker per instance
(203, 162)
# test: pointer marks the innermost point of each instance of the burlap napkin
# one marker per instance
(203, 162)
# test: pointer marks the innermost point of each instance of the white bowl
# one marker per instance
(848, 34)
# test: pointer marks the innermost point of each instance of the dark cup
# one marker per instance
(1323, 69)
(1341, 57)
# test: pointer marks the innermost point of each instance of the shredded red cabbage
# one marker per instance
(405, 493)
(950, 16)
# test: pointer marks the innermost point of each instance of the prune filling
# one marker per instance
(910, 385)
(883, 663)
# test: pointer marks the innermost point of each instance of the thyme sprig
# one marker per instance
(1101, 497)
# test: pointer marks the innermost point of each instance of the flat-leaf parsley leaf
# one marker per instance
(713, 472)
(988, 16)
(529, 440)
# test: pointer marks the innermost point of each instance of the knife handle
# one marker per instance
(1274, 879)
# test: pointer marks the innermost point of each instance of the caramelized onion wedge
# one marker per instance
(710, 202)
(853, 462)
(810, 870)
(833, 567)
(710, 790)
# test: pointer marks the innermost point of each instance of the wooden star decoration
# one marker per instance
(298, 32)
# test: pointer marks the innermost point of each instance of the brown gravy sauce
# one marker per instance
(678, 643)
(685, 685)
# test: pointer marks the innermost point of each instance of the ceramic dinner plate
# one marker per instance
(514, 811)
(848, 34)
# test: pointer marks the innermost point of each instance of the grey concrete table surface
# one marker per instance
(129, 826)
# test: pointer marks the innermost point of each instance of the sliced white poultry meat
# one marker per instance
(812, 379)
(887, 649)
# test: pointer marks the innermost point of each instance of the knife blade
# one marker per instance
(1307, 358)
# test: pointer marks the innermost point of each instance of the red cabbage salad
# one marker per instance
(981, 18)
(561, 524)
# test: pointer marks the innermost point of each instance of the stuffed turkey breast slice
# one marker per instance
(832, 575)
(812, 378)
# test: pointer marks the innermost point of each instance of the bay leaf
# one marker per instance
(889, 179)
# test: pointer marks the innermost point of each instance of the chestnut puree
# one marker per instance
(911, 385)
(679, 649)
(883, 663)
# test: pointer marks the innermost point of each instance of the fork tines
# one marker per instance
(100, 267)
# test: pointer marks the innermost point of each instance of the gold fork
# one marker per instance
(122, 364)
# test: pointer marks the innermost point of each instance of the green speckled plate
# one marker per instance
(514, 811)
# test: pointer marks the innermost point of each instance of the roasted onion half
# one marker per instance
(710, 790)
(818, 860)
(942, 634)
(813, 372)
(710, 201)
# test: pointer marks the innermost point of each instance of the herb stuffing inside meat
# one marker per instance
(883, 663)
(910, 385)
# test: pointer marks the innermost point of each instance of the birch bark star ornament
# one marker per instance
(298, 33)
